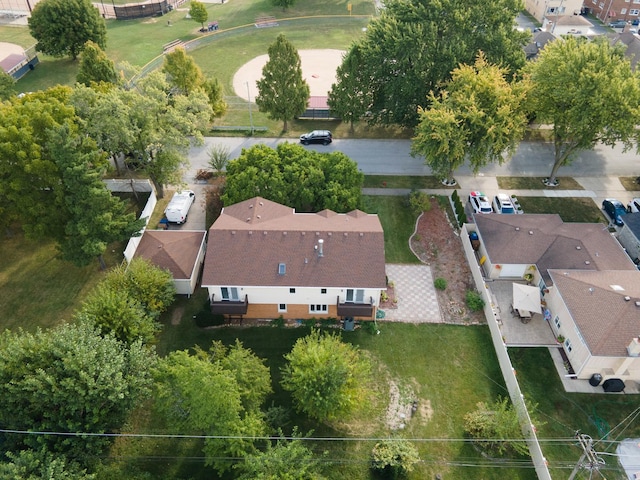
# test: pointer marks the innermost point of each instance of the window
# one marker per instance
(557, 322)
(636, 1)
(623, 11)
(556, 10)
(292, 290)
(318, 309)
(282, 307)
(282, 269)
(634, 11)
(230, 293)
(567, 345)
(355, 295)
(323, 290)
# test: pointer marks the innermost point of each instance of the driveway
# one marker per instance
(417, 299)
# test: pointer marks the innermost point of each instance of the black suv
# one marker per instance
(317, 136)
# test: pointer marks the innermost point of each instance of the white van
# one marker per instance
(178, 208)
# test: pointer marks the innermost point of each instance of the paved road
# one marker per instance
(392, 157)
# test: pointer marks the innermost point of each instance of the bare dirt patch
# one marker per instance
(437, 243)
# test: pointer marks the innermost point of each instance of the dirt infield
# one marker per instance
(318, 69)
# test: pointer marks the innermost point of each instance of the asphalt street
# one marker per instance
(392, 157)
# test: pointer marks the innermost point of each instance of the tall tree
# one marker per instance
(62, 27)
(39, 464)
(213, 88)
(413, 47)
(7, 86)
(95, 66)
(477, 116)
(306, 180)
(182, 70)
(349, 99)
(69, 379)
(198, 11)
(326, 377)
(588, 92)
(283, 93)
(197, 394)
(96, 218)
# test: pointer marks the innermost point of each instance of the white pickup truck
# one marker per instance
(178, 208)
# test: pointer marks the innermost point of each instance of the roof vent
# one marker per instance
(306, 260)
(258, 216)
(530, 232)
(317, 234)
(638, 303)
(264, 233)
(233, 232)
(591, 290)
(320, 250)
(251, 206)
(284, 233)
(250, 232)
(248, 219)
(578, 247)
(261, 203)
(282, 268)
(517, 229)
(361, 234)
(346, 234)
(329, 233)
(304, 233)
(587, 262)
(627, 298)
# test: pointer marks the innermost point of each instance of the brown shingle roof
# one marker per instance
(606, 321)
(548, 242)
(174, 250)
(250, 239)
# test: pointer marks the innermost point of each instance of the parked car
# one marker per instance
(615, 209)
(636, 22)
(633, 206)
(502, 204)
(618, 24)
(480, 202)
(178, 208)
(317, 136)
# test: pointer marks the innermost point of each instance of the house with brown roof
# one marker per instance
(265, 260)
(514, 245)
(589, 286)
(179, 251)
(597, 316)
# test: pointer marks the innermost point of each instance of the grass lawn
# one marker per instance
(37, 289)
(535, 183)
(447, 369)
(398, 223)
(577, 209)
(630, 184)
(412, 182)
(562, 414)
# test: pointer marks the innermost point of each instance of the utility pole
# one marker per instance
(589, 460)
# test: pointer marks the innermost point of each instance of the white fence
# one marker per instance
(118, 185)
(508, 372)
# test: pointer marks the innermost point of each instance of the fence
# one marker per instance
(136, 10)
(118, 185)
(508, 372)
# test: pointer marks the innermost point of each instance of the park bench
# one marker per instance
(168, 47)
(268, 21)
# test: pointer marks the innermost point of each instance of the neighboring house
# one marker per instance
(613, 10)
(629, 236)
(631, 45)
(179, 251)
(567, 25)
(589, 284)
(511, 244)
(552, 8)
(597, 314)
(538, 42)
(264, 260)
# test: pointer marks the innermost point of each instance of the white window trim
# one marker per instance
(322, 308)
(280, 310)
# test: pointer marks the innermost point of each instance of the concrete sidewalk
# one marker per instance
(597, 188)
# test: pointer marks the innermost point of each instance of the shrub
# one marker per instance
(370, 327)
(278, 322)
(474, 301)
(394, 457)
(454, 195)
(440, 283)
(419, 202)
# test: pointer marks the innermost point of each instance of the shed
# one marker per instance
(179, 251)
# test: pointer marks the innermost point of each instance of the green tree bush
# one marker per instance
(62, 27)
(440, 283)
(394, 458)
(326, 377)
(95, 66)
(474, 301)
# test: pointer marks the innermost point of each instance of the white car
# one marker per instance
(480, 202)
(502, 204)
(633, 206)
(178, 208)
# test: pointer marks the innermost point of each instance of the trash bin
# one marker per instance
(595, 380)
